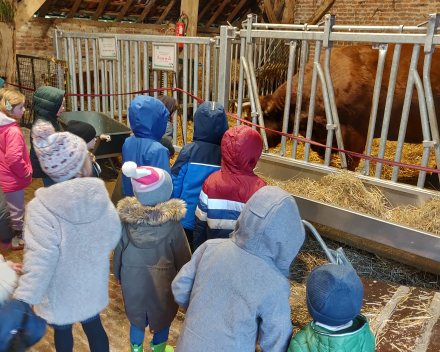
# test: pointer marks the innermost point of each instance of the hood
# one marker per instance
(241, 149)
(5, 119)
(263, 231)
(150, 225)
(78, 201)
(148, 117)
(210, 125)
(47, 102)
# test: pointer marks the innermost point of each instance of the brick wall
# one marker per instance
(371, 12)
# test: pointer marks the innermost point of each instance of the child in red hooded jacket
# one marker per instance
(15, 164)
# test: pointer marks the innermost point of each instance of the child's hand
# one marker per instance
(15, 266)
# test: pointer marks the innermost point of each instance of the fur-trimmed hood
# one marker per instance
(150, 225)
(134, 213)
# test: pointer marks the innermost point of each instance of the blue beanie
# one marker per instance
(334, 294)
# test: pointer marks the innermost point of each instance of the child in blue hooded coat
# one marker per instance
(148, 120)
(199, 159)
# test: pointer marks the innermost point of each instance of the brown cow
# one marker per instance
(353, 70)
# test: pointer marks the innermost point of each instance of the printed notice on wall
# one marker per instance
(165, 56)
(107, 48)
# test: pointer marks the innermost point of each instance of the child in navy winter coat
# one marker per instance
(199, 159)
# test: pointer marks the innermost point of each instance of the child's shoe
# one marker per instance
(17, 242)
(136, 348)
(162, 347)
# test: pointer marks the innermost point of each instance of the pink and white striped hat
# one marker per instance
(151, 185)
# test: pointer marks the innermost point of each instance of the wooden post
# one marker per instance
(321, 11)
(191, 9)
(7, 45)
(289, 12)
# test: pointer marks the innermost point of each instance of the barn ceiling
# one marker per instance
(212, 13)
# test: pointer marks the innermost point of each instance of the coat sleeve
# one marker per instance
(275, 327)
(201, 221)
(180, 247)
(178, 171)
(117, 256)
(163, 160)
(41, 254)
(183, 283)
(15, 147)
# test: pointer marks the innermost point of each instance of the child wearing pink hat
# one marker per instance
(152, 250)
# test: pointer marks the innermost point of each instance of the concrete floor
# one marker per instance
(403, 318)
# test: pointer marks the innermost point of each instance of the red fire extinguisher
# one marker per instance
(180, 27)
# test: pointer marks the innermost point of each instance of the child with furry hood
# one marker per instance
(152, 250)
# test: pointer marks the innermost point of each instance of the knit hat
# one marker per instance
(81, 129)
(61, 155)
(151, 185)
(334, 294)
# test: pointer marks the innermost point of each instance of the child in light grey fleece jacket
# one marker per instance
(70, 230)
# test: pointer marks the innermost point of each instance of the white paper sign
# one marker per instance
(107, 48)
(164, 57)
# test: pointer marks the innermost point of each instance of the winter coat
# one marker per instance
(148, 120)
(148, 258)
(199, 159)
(46, 103)
(314, 338)
(70, 230)
(15, 165)
(225, 192)
(6, 231)
(235, 290)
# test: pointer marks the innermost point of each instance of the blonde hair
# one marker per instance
(12, 97)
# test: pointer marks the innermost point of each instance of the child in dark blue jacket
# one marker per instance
(148, 120)
(199, 159)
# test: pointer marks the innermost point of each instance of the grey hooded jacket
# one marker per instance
(148, 258)
(235, 290)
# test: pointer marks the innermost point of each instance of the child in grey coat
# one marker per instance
(70, 230)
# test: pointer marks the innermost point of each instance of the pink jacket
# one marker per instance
(15, 164)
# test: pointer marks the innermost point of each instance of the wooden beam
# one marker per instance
(278, 12)
(289, 12)
(165, 12)
(74, 9)
(321, 11)
(144, 13)
(191, 9)
(124, 10)
(207, 6)
(100, 9)
(269, 12)
(216, 13)
(235, 23)
(235, 11)
(44, 9)
(26, 10)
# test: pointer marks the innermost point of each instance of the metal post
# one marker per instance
(103, 86)
(80, 72)
(235, 71)
(73, 73)
(127, 78)
(185, 88)
(254, 112)
(146, 67)
(120, 105)
(383, 48)
(175, 117)
(388, 107)
(405, 112)
(196, 76)
(89, 83)
(136, 67)
(202, 92)
(241, 77)
(95, 73)
(208, 70)
(215, 71)
(286, 119)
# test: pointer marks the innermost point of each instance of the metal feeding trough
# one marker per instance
(112, 134)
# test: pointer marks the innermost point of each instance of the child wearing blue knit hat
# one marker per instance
(334, 296)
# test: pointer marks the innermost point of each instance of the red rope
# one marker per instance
(288, 135)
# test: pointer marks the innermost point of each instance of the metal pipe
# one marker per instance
(254, 112)
(185, 88)
(334, 108)
(320, 241)
(70, 78)
(375, 104)
(338, 27)
(299, 93)
(127, 78)
(146, 68)
(175, 117)
(235, 71)
(119, 63)
(290, 73)
(136, 67)
(73, 74)
(241, 78)
(111, 88)
(191, 76)
(312, 101)
(196, 76)
(257, 104)
(405, 112)
(165, 82)
(80, 73)
(103, 86)
(89, 83)
(202, 92)
(95, 73)
(208, 71)
(388, 107)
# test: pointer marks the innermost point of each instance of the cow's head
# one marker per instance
(319, 131)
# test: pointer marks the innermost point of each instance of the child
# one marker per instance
(15, 165)
(70, 230)
(235, 289)
(148, 120)
(152, 250)
(199, 159)
(225, 192)
(334, 296)
(87, 132)
(48, 103)
(171, 105)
